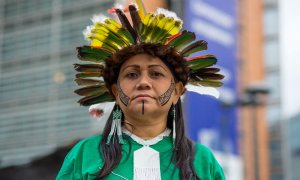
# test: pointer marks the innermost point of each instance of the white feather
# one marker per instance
(87, 32)
(119, 6)
(99, 18)
(203, 90)
(105, 107)
(168, 13)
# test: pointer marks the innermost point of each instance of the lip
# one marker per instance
(142, 96)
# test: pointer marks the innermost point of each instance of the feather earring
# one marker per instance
(116, 128)
(174, 124)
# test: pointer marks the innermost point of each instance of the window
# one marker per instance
(271, 54)
(273, 113)
(273, 82)
(271, 21)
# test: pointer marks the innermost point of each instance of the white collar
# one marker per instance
(148, 142)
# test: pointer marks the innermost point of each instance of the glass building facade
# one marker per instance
(272, 79)
(294, 147)
(38, 110)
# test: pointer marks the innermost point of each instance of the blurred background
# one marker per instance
(252, 128)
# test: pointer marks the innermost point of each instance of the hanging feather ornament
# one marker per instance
(101, 110)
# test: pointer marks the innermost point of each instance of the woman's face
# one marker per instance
(143, 79)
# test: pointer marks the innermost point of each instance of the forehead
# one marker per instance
(144, 60)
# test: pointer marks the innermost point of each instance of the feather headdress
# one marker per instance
(108, 36)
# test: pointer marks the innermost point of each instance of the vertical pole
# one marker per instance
(254, 107)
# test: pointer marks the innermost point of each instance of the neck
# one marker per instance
(146, 129)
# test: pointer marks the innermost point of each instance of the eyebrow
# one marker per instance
(150, 66)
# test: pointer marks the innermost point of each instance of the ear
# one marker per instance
(179, 90)
(114, 90)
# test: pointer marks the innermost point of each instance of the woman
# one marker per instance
(145, 73)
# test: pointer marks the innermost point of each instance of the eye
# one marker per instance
(132, 75)
(156, 74)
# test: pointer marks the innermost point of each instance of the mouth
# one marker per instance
(142, 96)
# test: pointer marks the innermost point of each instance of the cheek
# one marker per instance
(127, 87)
(161, 87)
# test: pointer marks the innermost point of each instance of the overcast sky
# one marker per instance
(289, 19)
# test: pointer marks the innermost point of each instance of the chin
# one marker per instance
(149, 109)
(138, 110)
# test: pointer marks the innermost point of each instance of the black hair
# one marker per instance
(184, 149)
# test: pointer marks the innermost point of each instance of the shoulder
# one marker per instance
(203, 152)
(84, 145)
(90, 142)
(206, 165)
(84, 155)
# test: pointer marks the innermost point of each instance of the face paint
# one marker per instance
(124, 99)
(143, 108)
(165, 97)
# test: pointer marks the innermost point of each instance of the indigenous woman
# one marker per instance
(144, 69)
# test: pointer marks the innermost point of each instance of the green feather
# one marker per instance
(109, 36)
(152, 24)
(172, 27)
(194, 47)
(200, 62)
(91, 90)
(207, 76)
(105, 41)
(95, 42)
(141, 8)
(100, 36)
(182, 40)
(113, 26)
(92, 54)
(208, 83)
(209, 70)
(88, 74)
(162, 31)
(158, 28)
(88, 67)
(144, 25)
(88, 82)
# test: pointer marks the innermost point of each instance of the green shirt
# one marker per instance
(84, 161)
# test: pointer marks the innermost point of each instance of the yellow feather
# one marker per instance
(97, 41)
(113, 27)
(176, 28)
(113, 24)
(141, 8)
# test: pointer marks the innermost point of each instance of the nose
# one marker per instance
(144, 83)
